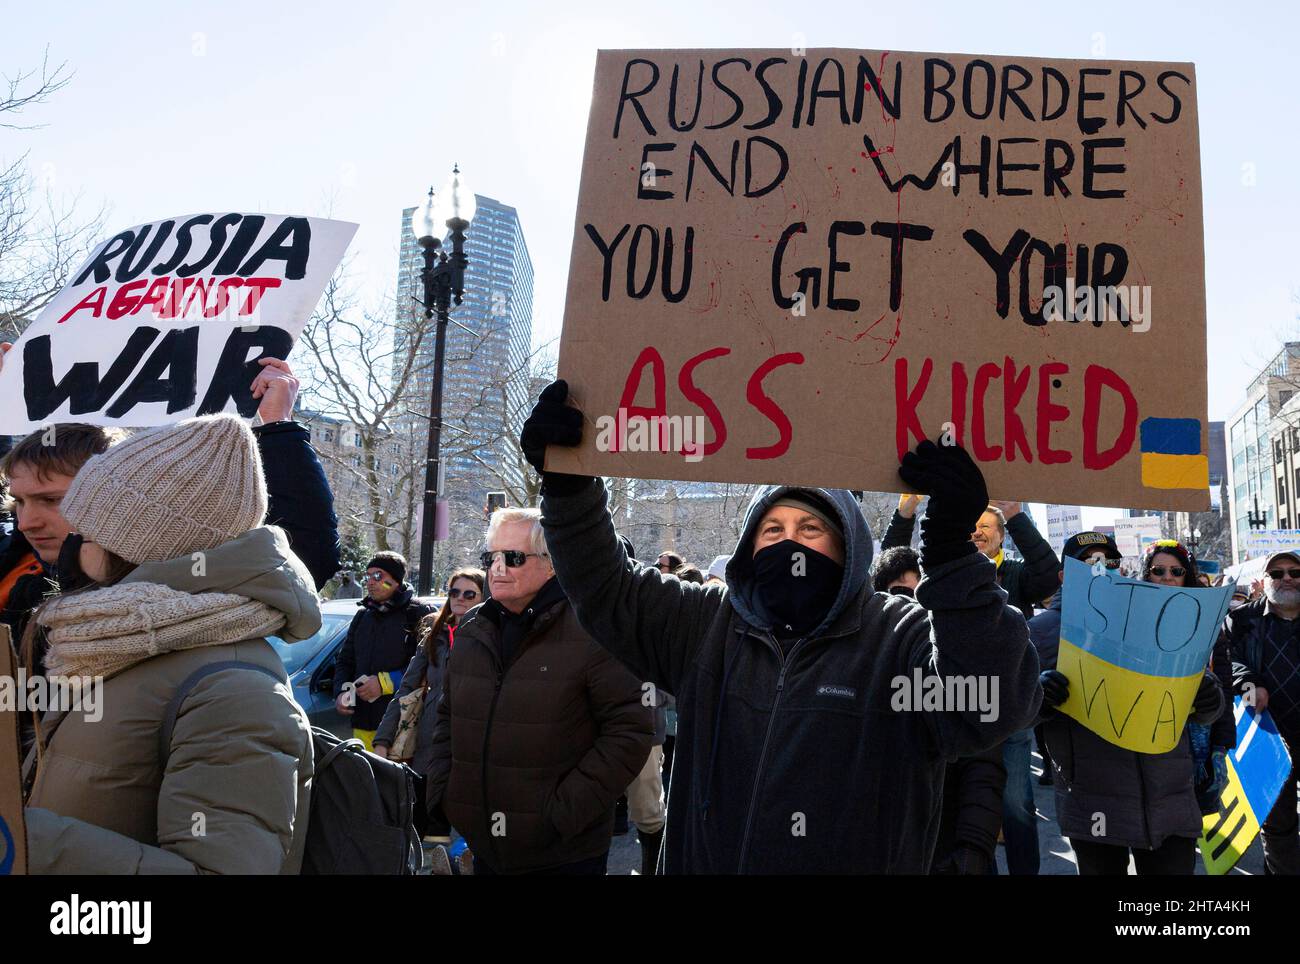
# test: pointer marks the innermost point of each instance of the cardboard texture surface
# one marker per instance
(809, 262)
(13, 833)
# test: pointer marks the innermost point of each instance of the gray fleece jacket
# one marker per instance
(799, 763)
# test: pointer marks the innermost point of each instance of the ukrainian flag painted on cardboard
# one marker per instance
(1134, 653)
(1257, 771)
(1171, 454)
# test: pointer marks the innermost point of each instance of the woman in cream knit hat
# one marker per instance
(186, 578)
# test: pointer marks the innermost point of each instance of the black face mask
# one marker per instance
(68, 570)
(796, 585)
(903, 591)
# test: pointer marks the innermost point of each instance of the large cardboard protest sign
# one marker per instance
(166, 320)
(1258, 769)
(791, 266)
(13, 833)
(1134, 653)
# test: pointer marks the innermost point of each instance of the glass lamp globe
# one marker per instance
(425, 222)
(456, 200)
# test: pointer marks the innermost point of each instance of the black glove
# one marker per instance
(552, 422)
(1209, 696)
(1056, 688)
(958, 497)
(964, 861)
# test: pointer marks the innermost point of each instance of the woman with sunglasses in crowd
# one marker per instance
(425, 672)
(1113, 802)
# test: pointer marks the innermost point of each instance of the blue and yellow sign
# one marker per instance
(1171, 454)
(1257, 771)
(1134, 653)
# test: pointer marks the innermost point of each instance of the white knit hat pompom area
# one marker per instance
(171, 491)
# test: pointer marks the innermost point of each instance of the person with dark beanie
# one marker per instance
(794, 753)
(379, 645)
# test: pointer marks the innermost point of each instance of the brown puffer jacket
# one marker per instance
(529, 758)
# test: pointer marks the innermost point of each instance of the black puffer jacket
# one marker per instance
(1142, 798)
(380, 642)
(532, 749)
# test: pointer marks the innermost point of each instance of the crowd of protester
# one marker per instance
(740, 714)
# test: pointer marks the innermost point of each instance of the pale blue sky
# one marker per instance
(355, 108)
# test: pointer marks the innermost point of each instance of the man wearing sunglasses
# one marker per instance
(1263, 638)
(379, 645)
(539, 729)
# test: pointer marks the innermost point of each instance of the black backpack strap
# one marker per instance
(336, 751)
(182, 691)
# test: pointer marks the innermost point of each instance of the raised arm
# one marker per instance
(652, 622)
(903, 524)
(1038, 578)
(971, 631)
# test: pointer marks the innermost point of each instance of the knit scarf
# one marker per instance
(104, 631)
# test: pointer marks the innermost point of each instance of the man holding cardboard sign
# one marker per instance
(795, 752)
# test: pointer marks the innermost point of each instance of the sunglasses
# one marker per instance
(378, 577)
(1108, 563)
(1279, 573)
(513, 557)
(1175, 571)
(465, 594)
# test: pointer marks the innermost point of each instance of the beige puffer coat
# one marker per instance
(234, 796)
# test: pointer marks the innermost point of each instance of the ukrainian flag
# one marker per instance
(1171, 454)
(1258, 770)
(1134, 654)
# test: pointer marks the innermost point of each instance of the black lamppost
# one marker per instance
(1193, 539)
(443, 278)
(1257, 519)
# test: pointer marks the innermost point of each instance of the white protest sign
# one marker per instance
(1265, 542)
(1132, 535)
(167, 320)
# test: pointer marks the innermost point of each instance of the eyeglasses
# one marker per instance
(1175, 571)
(377, 577)
(466, 594)
(513, 557)
(1279, 573)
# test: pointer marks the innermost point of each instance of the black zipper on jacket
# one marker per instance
(487, 735)
(767, 738)
(1142, 789)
